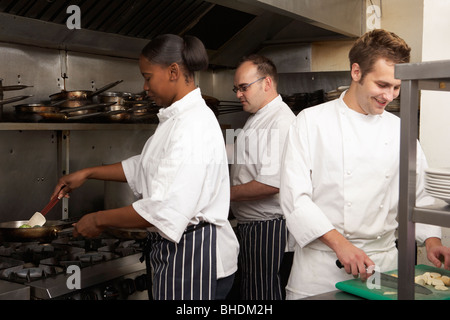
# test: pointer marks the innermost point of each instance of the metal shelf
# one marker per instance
(433, 75)
(75, 126)
(435, 214)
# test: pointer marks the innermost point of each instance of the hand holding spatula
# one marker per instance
(38, 219)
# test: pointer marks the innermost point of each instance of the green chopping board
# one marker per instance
(359, 288)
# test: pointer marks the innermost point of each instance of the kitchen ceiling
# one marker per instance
(228, 28)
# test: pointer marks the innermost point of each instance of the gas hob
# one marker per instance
(73, 268)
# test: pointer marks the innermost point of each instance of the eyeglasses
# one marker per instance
(244, 87)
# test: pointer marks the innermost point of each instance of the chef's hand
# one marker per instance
(354, 260)
(437, 253)
(87, 226)
(69, 182)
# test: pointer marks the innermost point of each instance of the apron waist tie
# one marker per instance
(153, 236)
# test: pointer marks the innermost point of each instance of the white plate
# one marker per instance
(438, 187)
(438, 171)
(437, 181)
(437, 176)
(439, 192)
(445, 198)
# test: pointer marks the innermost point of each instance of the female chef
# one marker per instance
(182, 180)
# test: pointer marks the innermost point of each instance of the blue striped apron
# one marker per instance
(262, 246)
(183, 271)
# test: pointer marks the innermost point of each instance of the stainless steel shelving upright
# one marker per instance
(433, 75)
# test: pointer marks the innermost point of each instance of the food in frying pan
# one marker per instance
(25, 226)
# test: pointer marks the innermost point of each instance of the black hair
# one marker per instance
(188, 52)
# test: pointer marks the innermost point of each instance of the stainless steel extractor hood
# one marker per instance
(229, 28)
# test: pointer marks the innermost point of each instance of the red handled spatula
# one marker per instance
(38, 219)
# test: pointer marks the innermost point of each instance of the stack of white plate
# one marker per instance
(437, 183)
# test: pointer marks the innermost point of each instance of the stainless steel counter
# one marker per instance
(56, 287)
(13, 291)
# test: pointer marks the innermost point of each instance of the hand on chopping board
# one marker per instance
(354, 260)
(437, 253)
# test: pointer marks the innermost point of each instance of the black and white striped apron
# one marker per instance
(183, 271)
(262, 246)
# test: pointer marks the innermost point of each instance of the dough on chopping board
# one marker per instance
(446, 280)
(443, 288)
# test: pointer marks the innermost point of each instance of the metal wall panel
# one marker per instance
(289, 58)
(88, 148)
(29, 158)
(38, 67)
(27, 173)
(29, 163)
(90, 72)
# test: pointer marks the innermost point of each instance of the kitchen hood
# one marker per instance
(228, 28)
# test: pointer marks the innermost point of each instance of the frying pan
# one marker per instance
(81, 94)
(35, 108)
(13, 99)
(10, 231)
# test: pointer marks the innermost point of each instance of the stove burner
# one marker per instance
(30, 252)
(27, 272)
(33, 273)
(43, 266)
(91, 257)
(6, 263)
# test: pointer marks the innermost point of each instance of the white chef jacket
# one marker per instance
(258, 151)
(341, 171)
(182, 177)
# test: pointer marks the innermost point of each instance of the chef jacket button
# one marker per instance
(347, 235)
(381, 206)
(349, 172)
(378, 237)
(387, 176)
(349, 204)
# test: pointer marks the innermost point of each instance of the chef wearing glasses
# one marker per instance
(255, 179)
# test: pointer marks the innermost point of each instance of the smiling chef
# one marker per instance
(340, 176)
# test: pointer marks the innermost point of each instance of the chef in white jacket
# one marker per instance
(340, 176)
(181, 178)
(255, 180)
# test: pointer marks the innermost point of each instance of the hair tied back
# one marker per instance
(194, 54)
